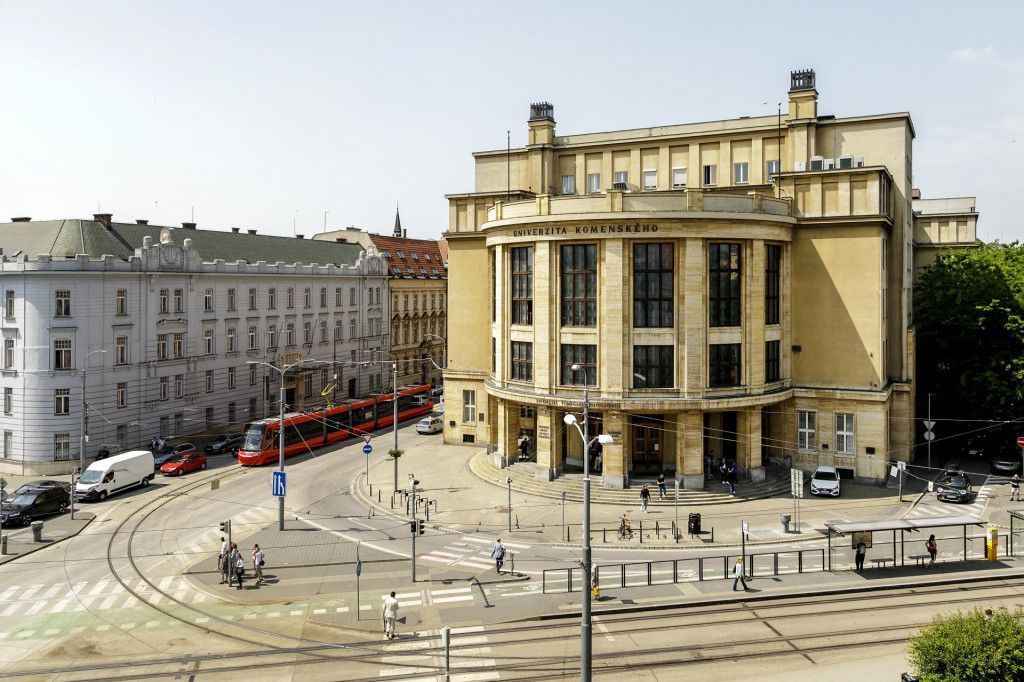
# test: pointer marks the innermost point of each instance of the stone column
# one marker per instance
(690, 457)
(549, 464)
(748, 447)
(615, 472)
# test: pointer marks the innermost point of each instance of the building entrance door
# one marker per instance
(351, 388)
(647, 433)
(289, 397)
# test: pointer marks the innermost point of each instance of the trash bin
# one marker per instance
(37, 531)
(693, 524)
(784, 519)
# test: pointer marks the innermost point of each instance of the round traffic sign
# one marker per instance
(1020, 441)
(929, 435)
(367, 449)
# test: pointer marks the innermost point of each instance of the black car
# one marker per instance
(224, 442)
(954, 488)
(974, 446)
(34, 502)
(47, 483)
(169, 452)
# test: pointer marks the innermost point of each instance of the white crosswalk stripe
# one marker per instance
(475, 657)
(469, 552)
(930, 506)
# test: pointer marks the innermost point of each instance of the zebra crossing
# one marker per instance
(931, 507)
(473, 652)
(208, 541)
(470, 552)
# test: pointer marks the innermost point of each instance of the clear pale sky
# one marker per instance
(257, 114)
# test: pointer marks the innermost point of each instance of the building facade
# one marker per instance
(736, 289)
(168, 331)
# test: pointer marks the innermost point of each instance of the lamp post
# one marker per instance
(85, 409)
(394, 404)
(508, 482)
(444, 349)
(586, 628)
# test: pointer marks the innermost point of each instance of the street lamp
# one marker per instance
(508, 482)
(85, 409)
(394, 404)
(585, 619)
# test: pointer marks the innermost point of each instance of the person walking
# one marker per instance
(708, 473)
(524, 449)
(239, 571)
(730, 480)
(498, 554)
(390, 614)
(224, 568)
(232, 560)
(152, 445)
(258, 557)
(645, 497)
(862, 551)
(661, 486)
(1015, 488)
(724, 469)
(737, 572)
(225, 548)
(933, 549)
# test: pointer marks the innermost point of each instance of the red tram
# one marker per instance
(305, 431)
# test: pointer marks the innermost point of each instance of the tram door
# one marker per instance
(647, 443)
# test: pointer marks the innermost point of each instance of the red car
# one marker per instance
(191, 461)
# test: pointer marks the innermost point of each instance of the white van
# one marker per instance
(108, 476)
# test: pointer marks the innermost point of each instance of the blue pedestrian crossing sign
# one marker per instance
(277, 484)
(367, 449)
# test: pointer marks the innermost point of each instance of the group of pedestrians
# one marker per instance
(232, 566)
(157, 444)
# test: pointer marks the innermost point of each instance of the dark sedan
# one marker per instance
(34, 502)
(224, 442)
(169, 452)
(954, 489)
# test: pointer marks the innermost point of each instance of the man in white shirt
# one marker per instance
(390, 614)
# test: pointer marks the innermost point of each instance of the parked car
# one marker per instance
(825, 481)
(975, 446)
(182, 464)
(1006, 461)
(954, 488)
(167, 452)
(224, 442)
(116, 473)
(437, 391)
(430, 425)
(34, 502)
(43, 483)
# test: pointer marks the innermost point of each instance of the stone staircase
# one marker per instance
(522, 473)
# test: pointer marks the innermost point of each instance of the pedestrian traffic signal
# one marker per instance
(420, 521)
(412, 527)
(225, 526)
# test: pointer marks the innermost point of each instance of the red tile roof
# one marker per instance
(411, 258)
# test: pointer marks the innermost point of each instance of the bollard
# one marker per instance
(784, 520)
(657, 531)
(37, 531)
(641, 524)
(371, 490)
(378, 495)
(3, 545)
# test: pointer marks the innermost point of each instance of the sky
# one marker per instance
(291, 116)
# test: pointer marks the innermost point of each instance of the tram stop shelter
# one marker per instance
(1016, 531)
(865, 530)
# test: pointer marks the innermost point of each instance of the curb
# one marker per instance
(8, 558)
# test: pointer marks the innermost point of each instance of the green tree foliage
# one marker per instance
(969, 314)
(970, 647)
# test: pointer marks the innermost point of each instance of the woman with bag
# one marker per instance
(239, 571)
(933, 549)
(737, 571)
(258, 557)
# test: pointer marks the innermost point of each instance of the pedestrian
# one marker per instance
(224, 568)
(730, 480)
(598, 456)
(645, 497)
(932, 548)
(862, 550)
(598, 461)
(595, 586)
(103, 452)
(724, 469)
(233, 557)
(225, 548)
(707, 467)
(152, 445)
(258, 557)
(524, 449)
(239, 571)
(1015, 488)
(661, 486)
(737, 572)
(390, 614)
(498, 554)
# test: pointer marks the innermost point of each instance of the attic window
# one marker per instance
(413, 255)
(434, 270)
(385, 254)
(400, 254)
(424, 271)
(396, 272)
(426, 257)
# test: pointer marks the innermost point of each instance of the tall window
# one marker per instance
(522, 285)
(337, 296)
(208, 341)
(593, 183)
(339, 335)
(306, 298)
(352, 327)
(290, 298)
(740, 173)
(522, 360)
(62, 401)
(621, 177)
(579, 285)
(772, 282)
(771, 361)
(163, 388)
(232, 413)
(232, 343)
(679, 177)
(272, 297)
(121, 435)
(307, 333)
(805, 426)
(62, 303)
(179, 344)
(289, 334)
(231, 299)
(9, 303)
(8, 353)
(652, 285)
(179, 296)
(231, 377)
(252, 376)
(568, 184)
(711, 175)
(252, 299)
(352, 296)
(844, 433)
(122, 394)
(307, 384)
(252, 338)
(163, 301)
(323, 297)
(121, 302)
(650, 179)
(469, 406)
(161, 347)
(8, 400)
(62, 354)
(323, 331)
(179, 385)
(8, 444)
(583, 355)
(208, 300)
(208, 422)
(724, 283)
(209, 381)
(272, 336)
(121, 350)
(653, 367)
(61, 446)
(724, 364)
(771, 168)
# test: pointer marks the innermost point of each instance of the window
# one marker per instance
(352, 329)
(122, 435)
(62, 401)
(711, 175)
(179, 344)
(650, 179)
(9, 303)
(252, 338)
(252, 299)
(805, 424)
(307, 333)
(121, 350)
(405, 300)
(352, 296)
(122, 394)
(8, 400)
(771, 360)
(8, 444)
(583, 355)
(179, 385)
(323, 331)
(208, 341)
(179, 422)
(771, 168)
(163, 301)
(231, 377)
(209, 381)
(325, 378)
(844, 433)
(307, 384)
(208, 421)
(593, 183)
(165, 426)
(306, 297)
(272, 297)
(208, 300)
(323, 297)
(271, 336)
(232, 413)
(724, 364)
(568, 184)
(724, 276)
(178, 301)
(522, 285)
(62, 354)
(621, 177)
(290, 297)
(412, 254)
(740, 173)
(161, 347)
(522, 360)
(653, 367)
(252, 375)
(8, 353)
(289, 334)
(121, 302)
(469, 406)
(579, 285)
(232, 343)
(337, 296)
(231, 299)
(252, 408)
(62, 303)
(163, 388)
(338, 336)
(652, 285)
(679, 177)
(772, 281)
(61, 446)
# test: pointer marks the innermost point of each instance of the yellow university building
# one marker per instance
(737, 289)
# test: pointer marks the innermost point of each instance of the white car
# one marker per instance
(825, 481)
(430, 425)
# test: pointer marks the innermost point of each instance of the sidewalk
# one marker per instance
(55, 528)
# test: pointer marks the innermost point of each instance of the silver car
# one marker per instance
(430, 425)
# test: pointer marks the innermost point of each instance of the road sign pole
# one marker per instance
(359, 570)
(1020, 442)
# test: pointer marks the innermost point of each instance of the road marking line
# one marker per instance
(108, 603)
(408, 594)
(295, 613)
(443, 600)
(26, 633)
(36, 608)
(8, 592)
(128, 626)
(31, 591)
(52, 592)
(103, 628)
(468, 628)
(457, 590)
(601, 627)
(50, 633)
(438, 552)
(418, 602)
(10, 610)
(319, 612)
(274, 614)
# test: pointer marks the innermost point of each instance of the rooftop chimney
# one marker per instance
(251, 231)
(235, 229)
(140, 221)
(542, 111)
(340, 240)
(188, 226)
(24, 219)
(104, 218)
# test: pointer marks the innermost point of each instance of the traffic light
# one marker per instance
(225, 527)
(420, 522)
(412, 527)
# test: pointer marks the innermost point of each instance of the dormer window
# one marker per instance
(400, 254)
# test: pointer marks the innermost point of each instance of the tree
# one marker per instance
(970, 647)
